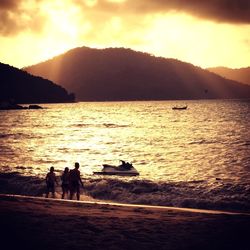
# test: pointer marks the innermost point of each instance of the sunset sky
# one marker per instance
(204, 33)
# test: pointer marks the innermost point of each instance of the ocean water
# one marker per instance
(199, 157)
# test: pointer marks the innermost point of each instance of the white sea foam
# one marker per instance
(225, 196)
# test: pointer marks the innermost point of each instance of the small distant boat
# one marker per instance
(125, 169)
(179, 107)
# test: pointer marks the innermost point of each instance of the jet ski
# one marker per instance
(124, 169)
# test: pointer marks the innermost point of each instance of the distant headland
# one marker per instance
(19, 87)
(4, 105)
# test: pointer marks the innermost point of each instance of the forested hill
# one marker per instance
(21, 87)
(123, 74)
(240, 75)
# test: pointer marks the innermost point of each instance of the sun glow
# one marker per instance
(61, 30)
(199, 42)
(39, 30)
(62, 18)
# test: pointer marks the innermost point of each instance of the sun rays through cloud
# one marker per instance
(205, 34)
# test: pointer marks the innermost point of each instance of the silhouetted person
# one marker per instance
(123, 162)
(50, 181)
(125, 165)
(74, 181)
(65, 182)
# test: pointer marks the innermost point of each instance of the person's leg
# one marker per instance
(47, 192)
(71, 193)
(78, 193)
(71, 189)
(63, 192)
(67, 192)
(53, 191)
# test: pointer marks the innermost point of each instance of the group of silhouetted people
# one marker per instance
(71, 181)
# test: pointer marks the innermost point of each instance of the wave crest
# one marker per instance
(192, 194)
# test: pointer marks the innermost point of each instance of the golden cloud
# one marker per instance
(21, 15)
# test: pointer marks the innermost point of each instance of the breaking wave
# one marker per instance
(14, 183)
(192, 194)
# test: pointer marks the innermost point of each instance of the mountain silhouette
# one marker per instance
(116, 74)
(240, 75)
(19, 86)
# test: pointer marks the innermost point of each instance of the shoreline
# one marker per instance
(46, 223)
(98, 202)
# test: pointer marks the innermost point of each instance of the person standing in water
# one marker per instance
(50, 182)
(65, 182)
(74, 182)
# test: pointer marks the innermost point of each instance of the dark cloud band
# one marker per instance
(9, 4)
(11, 17)
(8, 16)
(229, 11)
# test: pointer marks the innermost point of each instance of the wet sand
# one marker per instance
(39, 223)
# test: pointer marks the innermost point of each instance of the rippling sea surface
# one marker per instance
(199, 157)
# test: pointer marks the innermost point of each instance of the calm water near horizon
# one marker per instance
(199, 157)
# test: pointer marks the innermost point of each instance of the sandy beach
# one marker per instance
(39, 223)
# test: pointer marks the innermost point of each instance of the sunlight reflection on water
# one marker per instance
(208, 140)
